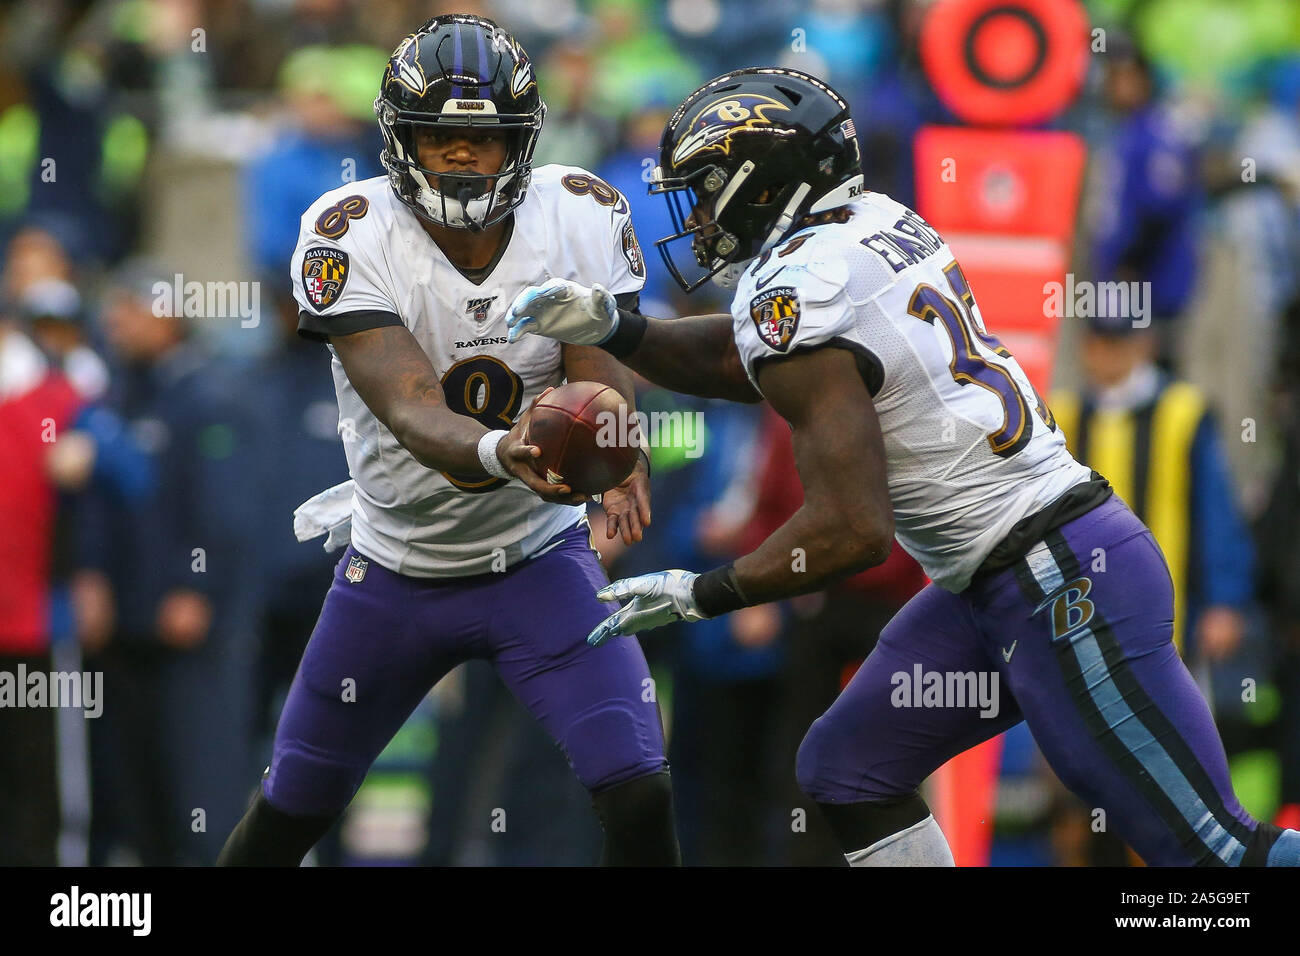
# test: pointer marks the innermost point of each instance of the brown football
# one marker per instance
(588, 437)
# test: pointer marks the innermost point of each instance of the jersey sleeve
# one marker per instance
(781, 310)
(596, 243)
(627, 271)
(336, 284)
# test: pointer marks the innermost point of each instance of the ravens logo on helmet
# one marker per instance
(744, 159)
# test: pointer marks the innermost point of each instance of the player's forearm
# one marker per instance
(395, 379)
(586, 363)
(695, 355)
(812, 550)
(437, 437)
(846, 521)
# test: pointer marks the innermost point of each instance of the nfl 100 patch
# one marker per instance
(324, 274)
(356, 571)
(776, 316)
(632, 252)
(478, 308)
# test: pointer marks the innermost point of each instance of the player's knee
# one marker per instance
(637, 817)
(821, 752)
(267, 836)
(635, 802)
(309, 784)
(864, 824)
(614, 742)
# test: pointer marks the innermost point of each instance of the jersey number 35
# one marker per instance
(970, 367)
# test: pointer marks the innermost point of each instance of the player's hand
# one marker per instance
(563, 310)
(627, 506)
(656, 599)
(516, 455)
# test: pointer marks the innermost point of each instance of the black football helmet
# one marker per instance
(758, 150)
(459, 70)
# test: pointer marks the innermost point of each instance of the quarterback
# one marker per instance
(853, 319)
(457, 549)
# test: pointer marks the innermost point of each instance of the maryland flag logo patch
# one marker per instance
(632, 252)
(324, 274)
(776, 316)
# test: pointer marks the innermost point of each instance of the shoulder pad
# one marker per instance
(582, 188)
(818, 278)
(335, 213)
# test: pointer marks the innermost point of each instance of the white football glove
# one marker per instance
(657, 599)
(563, 310)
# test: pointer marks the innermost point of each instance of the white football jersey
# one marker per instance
(363, 260)
(971, 448)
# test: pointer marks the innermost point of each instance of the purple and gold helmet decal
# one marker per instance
(720, 120)
(521, 78)
(409, 72)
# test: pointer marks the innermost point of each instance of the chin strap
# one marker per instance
(729, 276)
(787, 217)
(465, 195)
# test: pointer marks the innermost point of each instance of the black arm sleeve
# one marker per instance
(320, 327)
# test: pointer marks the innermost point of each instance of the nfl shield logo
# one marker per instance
(479, 308)
(356, 569)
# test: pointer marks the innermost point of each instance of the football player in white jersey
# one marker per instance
(458, 550)
(853, 319)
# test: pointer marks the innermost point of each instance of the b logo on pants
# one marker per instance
(1072, 610)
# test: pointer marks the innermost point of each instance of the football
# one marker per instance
(588, 437)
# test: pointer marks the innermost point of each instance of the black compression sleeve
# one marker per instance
(718, 591)
(320, 327)
(627, 337)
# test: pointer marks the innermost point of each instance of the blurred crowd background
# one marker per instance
(178, 141)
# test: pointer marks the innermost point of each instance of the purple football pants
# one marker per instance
(1085, 655)
(383, 641)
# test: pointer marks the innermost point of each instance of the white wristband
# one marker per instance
(487, 454)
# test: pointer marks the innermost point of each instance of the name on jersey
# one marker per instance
(478, 343)
(776, 316)
(910, 240)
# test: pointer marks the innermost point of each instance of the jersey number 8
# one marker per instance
(488, 391)
(597, 189)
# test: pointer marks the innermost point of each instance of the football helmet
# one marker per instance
(744, 159)
(459, 71)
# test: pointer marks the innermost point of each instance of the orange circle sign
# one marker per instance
(1005, 62)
